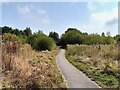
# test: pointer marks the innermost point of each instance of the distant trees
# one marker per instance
(71, 36)
(6, 29)
(74, 36)
(117, 38)
(103, 34)
(40, 41)
(55, 36)
(22, 34)
(40, 32)
(27, 31)
(73, 29)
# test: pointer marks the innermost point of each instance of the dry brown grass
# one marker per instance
(96, 56)
(26, 68)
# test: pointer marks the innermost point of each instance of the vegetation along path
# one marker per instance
(74, 78)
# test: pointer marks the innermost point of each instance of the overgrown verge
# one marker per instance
(98, 62)
(23, 67)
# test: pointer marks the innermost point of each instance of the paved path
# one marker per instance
(73, 77)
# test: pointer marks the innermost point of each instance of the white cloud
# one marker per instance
(103, 20)
(24, 10)
(105, 16)
(34, 14)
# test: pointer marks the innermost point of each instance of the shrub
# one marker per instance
(23, 39)
(8, 37)
(41, 42)
(71, 37)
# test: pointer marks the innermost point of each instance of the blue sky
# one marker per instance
(91, 17)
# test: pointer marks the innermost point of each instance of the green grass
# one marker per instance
(102, 79)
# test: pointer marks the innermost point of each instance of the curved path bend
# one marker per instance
(73, 77)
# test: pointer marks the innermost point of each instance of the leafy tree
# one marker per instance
(28, 31)
(6, 29)
(71, 37)
(103, 34)
(16, 32)
(73, 29)
(118, 40)
(55, 36)
(40, 32)
(22, 33)
(85, 33)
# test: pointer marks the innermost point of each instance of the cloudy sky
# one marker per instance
(91, 17)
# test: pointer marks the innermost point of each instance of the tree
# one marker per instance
(28, 31)
(55, 36)
(16, 32)
(6, 29)
(40, 32)
(71, 37)
(118, 40)
(85, 33)
(103, 34)
(73, 29)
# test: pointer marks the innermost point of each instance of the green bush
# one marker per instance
(41, 42)
(71, 37)
(8, 37)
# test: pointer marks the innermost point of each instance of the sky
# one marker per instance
(90, 17)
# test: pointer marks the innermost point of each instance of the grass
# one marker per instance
(98, 62)
(23, 67)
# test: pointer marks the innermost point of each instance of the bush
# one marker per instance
(23, 39)
(71, 37)
(41, 42)
(11, 43)
(8, 37)
(118, 40)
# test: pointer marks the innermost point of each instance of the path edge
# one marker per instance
(99, 87)
(65, 81)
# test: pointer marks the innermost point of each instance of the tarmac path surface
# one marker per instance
(73, 77)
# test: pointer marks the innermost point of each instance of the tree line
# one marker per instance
(40, 41)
